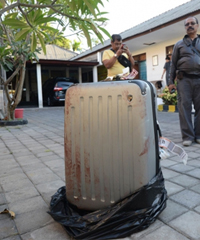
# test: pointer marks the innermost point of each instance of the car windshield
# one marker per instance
(63, 84)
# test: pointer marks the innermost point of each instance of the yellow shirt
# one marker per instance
(117, 68)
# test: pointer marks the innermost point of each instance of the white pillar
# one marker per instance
(95, 74)
(39, 85)
(80, 75)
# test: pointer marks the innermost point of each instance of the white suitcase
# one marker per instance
(111, 141)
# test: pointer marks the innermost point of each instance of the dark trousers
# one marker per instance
(188, 93)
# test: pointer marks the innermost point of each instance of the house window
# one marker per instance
(169, 49)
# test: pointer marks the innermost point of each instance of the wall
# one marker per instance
(154, 72)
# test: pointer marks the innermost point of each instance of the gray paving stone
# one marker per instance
(2, 208)
(164, 232)
(193, 154)
(157, 224)
(27, 205)
(168, 174)
(7, 228)
(194, 162)
(185, 181)
(22, 193)
(195, 173)
(42, 176)
(10, 171)
(196, 188)
(172, 211)
(172, 188)
(167, 163)
(187, 198)
(181, 168)
(188, 224)
(50, 186)
(197, 209)
(2, 199)
(17, 237)
(50, 158)
(18, 184)
(29, 221)
(52, 231)
(33, 166)
(44, 153)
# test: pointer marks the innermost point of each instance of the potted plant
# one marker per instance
(169, 100)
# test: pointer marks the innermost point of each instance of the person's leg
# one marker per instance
(196, 101)
(185, 107)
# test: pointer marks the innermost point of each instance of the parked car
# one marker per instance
(54, 90)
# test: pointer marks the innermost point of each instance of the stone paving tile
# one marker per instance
(2, 199)
(194, 162)
(42, 175)
(172, 211)
(188, 224)
(22, 193)
(197, 209)
(27, 205)
(17, 237)
(139, 235)
(168, 174)
(193, 154)
(50, 186)
(164, 232)
(187, 198)
(167, 163)
(2, 208)
(31, 159)
(195, 173)
(185, 181)
(181, 168)
(18, 184)
(29, 221)
(52, 231)
(33, 166)
(6, 172)
(196, 188)
(172, 188)
(7, 228)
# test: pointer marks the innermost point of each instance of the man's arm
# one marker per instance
(164, 70)
(130, 58)
(109, 62)
(173, 68)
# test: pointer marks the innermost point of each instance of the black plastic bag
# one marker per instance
(131, 215)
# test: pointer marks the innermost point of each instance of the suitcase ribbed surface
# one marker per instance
(109, 142)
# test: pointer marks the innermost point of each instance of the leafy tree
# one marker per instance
(25, 29)
(76, 46)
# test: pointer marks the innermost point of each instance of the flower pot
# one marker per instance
(19, 113)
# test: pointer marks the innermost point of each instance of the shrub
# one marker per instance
(168, 98)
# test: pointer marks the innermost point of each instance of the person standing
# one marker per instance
(111, 56)
(166, 69)
(185, 66)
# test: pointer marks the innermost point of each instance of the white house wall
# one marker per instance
(154, 72)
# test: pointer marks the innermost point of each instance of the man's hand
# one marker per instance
(171, 86)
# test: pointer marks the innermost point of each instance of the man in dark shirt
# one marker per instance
(166, 69)
(185, 66)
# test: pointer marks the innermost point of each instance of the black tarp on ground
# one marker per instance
(131, 215)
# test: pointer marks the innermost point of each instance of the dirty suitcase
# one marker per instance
(111, 141)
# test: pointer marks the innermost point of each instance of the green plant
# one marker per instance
(168, 98)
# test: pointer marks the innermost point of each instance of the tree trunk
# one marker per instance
(13, 102)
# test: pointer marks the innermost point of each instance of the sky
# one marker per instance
(125, 14)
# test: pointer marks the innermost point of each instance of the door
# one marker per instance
(143, 70)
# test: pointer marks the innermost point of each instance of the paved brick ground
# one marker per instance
(32, 169)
